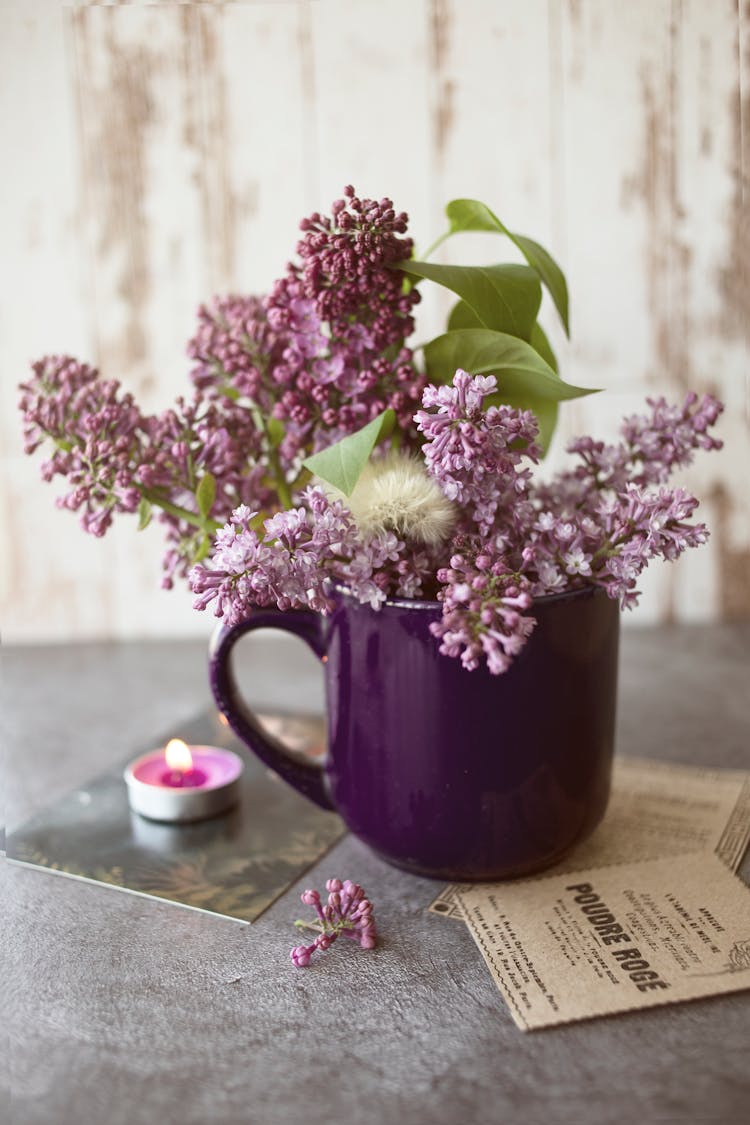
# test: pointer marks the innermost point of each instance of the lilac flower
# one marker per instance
(291, 564)
(233, 350)
(596, 525)
(577, 562)
(648, 526)
(475, 453)
(324, 352)
(186, 443)
(98, 434)
(343, 316)
(287, 566)
(347, 913)
(653, 446)
(484, 606)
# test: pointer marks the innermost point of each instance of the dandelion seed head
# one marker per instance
(396, 494)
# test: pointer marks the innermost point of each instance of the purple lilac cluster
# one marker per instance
(300, 550)
(653, 446)
(484, 608)
(324, 352)
(98, 436)
(347, 913)
(233, 350)
(114, 457)
(598, 524)
(186, 443)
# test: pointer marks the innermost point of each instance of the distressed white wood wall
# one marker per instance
(156, 153)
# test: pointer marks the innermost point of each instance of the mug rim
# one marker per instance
(431, 605)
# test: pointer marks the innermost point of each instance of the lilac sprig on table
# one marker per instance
(347, 913)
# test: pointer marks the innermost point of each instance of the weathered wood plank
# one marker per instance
(51, 584)
(370, 119)
(651, 102)
(492, 122)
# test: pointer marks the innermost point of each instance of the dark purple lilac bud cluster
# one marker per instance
(186, 443)
(343, 313)
(234, 349)
(347, 913)
(324, 352)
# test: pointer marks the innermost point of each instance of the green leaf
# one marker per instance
(275, 431)
(505, 298)
(470, 214)
(520, 369)
(204, 549)
(549, 273)
(541, 344)
(205, 494)
(145, 509)
(341, 464)
(463, 316)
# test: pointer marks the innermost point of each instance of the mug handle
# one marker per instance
(307, 778)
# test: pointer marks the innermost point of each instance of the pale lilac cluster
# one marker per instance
(609, 543)
(477, 454)
(599, 524)
(484, 609)
(98, 436)
(299, 552)
(653, 446)
(347, 913)
(603, 521)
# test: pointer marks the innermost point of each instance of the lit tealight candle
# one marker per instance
(181, 772)
(183, 783)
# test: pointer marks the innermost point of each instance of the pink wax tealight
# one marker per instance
(183, 783)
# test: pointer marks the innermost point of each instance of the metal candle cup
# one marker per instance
(208, 787)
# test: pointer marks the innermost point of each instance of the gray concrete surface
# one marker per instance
(119, 1009)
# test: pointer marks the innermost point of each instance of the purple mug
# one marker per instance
(448, 773)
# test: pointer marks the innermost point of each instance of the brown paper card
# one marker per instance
(656, 810)
(613, 939)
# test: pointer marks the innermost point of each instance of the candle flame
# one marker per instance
(178, 755)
